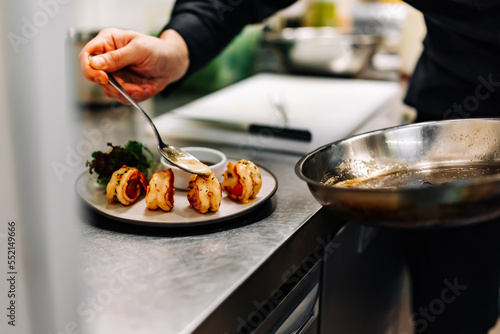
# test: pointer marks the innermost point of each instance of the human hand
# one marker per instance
(144, 65)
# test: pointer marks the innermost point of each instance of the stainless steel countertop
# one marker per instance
(157, 280)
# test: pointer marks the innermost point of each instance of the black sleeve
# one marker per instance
(208, 26)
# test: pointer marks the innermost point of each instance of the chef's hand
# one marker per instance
(142, 64)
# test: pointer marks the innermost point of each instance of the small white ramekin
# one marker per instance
(214, 159)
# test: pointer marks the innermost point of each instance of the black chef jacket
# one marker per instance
(457, 76)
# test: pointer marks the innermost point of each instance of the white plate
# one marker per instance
(182, 214)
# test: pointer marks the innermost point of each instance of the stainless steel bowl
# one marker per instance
(87, 93)
(465, 153)
(323, 50)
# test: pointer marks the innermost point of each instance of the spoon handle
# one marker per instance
(119, 88)
(176, 156)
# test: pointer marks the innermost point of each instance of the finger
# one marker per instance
(115, 60)
(138, 88)
(113, 94)
(90, 73)
(147, 93)
(107, 40)
(146, 87)
(138, 93)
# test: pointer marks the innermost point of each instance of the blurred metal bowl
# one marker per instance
(88, 94)
(469, 194)
(323, 50)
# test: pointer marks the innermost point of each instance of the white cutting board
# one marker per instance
(329, 108)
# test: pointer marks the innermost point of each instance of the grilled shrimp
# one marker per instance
(204, 193)
(160, 192)
(242, 181)
(125, 185)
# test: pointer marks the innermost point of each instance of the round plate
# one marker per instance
(94, 195)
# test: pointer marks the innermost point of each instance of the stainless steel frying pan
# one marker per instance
(442, 173)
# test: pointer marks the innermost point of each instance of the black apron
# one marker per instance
(458, 74)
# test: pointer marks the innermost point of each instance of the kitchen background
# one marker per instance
(270, 47)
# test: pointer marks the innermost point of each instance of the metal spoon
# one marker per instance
(176, 156)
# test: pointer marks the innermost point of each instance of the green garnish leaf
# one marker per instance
(133, 154)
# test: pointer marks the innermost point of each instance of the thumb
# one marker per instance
(114, 60)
